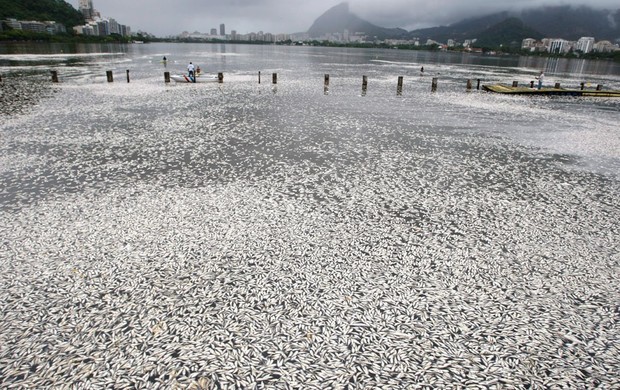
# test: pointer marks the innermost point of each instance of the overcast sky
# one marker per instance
(171, 17)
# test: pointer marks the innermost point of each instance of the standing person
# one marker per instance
(540, 78)
(190, 71)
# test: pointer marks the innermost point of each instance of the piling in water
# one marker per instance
(127, 75)
(469, 85)
(434, 85)
(478, 86)
(557, 86)
(583, 85)
(220, 77)
(364, 85)
(259, 76)
(274, 78)
(326, 85)
(109, 75)
(167, 77)
(399, 86)
(54, 76)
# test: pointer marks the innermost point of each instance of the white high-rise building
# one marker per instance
(86, 8)
(585, 44)
(559, 46)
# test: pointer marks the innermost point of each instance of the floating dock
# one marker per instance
(508, 90)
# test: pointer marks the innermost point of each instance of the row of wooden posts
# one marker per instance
(274, 80)
(599, 87)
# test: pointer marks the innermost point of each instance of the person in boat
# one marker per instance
(165, 59)
(190, 70)
(540, 79)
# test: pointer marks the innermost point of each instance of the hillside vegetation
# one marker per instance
(41, 10)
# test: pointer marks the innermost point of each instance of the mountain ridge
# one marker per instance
(567, 22)
(339, 17)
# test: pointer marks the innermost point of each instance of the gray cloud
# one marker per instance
(171, 17)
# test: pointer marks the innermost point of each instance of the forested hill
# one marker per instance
(41, 10)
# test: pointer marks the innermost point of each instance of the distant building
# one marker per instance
(605, 47)
(528, 43)
(14, 24)
(559, 46)
(585, 44)
(222, 30)
(87, 9)
(96, 25)
(213, 31)
(49, 27)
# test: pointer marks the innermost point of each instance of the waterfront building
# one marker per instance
(87, 9)
(13, 23)
(585, 44)
(30, 25)
(222, 30)
(528, 43)
(605, 47)
(559, 46)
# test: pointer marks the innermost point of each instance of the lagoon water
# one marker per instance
(246, 235)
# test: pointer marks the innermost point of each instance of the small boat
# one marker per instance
(183, 78)
(508, 90)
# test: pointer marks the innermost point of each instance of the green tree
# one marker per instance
(41, 10)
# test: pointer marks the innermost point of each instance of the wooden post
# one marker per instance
(326, 84)
(54, 76)
(167, 77)
(515, 84)
(399, 86)
(557, 86)
(469, 85)
(434, 85)
(127, 75)
(220, 77)
(259, 76)
(599, 87)
(274, 78)
(478, 86)
(110, 76)
(364, 85)
(583, 86)
(532, 84)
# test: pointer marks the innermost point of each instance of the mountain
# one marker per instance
(509, 33)
(41, 10)
(553, 22)
(574, 22)
(339, 18)
(465, 29)
(502, 28)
